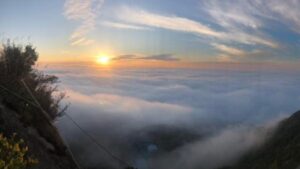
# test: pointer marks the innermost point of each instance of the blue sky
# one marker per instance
(192, 30)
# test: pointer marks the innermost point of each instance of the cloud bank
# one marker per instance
(216, 151)
(228, 110)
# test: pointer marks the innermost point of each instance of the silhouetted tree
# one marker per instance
(16, 64)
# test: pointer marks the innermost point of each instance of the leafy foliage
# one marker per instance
(16, 64)
(14, 154)
(281, 151)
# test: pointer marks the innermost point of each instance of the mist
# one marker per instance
(172, 118)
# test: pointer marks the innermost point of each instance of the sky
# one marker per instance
(222, 102)
(167, 31)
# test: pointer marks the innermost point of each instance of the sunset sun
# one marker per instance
(104, 60)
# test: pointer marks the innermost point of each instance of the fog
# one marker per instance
(212, 116)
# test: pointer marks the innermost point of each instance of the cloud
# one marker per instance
(248, 19)
(160, 57)
(129, 106)
(288, 12)
(209, 153)
(176, 23)
(233, 15)
(163, 57)
(81, 41)
(233, 54)
(136, 112)
(242, 21)
(229, 50)
(86, 12)
(123, 25)
(226, 108)
(250, 39)
(126, 57)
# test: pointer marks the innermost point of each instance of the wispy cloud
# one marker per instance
(247, 18)
(287, 11)
(233, 15)
(163, 57)
(86, 12)
(159, 57)
(234, 54)
(242, 21)
(123, 25)
(229, 50)
(176, 23)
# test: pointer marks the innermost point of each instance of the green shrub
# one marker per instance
(14, 155)
(16, 65)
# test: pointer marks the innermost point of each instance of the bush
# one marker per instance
(16, 65)
(16, 62)
(14, 155)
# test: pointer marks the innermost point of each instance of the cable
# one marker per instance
(72, 156)
(17, 95)
(38, 106)
(35, 100)
(96, 142)
(83, 131)
(99, 145)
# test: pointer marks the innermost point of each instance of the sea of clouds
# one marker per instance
(232, 110)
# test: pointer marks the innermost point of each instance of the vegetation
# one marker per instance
(17, 65)
(281, 151)
(30, 93)
(14, 155)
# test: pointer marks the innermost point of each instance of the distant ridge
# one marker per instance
(280, 151)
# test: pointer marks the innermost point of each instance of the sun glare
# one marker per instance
(103, 60)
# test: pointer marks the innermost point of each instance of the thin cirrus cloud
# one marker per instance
(142, 17)
(240, 23)
(229, 16)
(288, 12)
(85, 12)
(253, 16)
(181, 24)
(229, 50)
(159, 57)
(123, 25)
(232, 54)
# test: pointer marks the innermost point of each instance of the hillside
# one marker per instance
(28, 109)
(45, 152)
(281, 151)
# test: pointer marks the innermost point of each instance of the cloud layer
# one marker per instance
(227, 108)
(210, 152)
